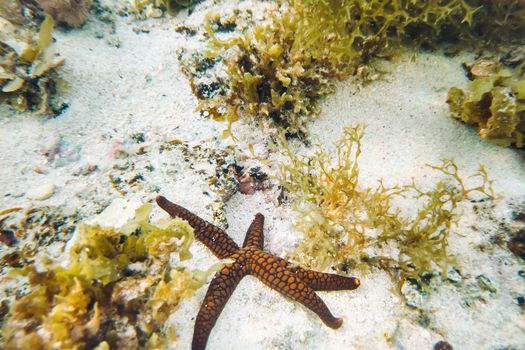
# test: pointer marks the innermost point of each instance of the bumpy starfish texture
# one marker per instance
(293, 281)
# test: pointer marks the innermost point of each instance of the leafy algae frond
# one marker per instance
(116, 291)
(342, 222)
(28, 79)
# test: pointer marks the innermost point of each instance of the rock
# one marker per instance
(41, 192)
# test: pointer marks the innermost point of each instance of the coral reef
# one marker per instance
(494, 101)
(344, 225)
(28, 79)
(115, 290)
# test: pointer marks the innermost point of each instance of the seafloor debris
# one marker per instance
(218, 165)
(517, 244)
(344, 225)
(25, 231)
(494, 100)
(115, 289)
(28, 79)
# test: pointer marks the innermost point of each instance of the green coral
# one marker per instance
(494, 101)
(90, 300)
(342, 222)
(28, 80)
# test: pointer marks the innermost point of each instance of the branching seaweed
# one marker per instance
(345, 225)
(116, 291)
(278, 71)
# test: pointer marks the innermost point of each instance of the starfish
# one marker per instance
(293, 281)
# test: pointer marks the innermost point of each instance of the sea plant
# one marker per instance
(344, 224)
(277, 71)
(494, 101)
(141, 7)
(28, 79)
(115, 289)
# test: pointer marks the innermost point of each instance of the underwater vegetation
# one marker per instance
(116, 289)
(277, 71)
(494, 101)
(28, 79)
(344, 224)
(155, 8)
(70, 12)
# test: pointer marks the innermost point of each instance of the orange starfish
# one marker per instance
(293, 281)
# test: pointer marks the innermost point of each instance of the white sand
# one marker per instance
(138, 88)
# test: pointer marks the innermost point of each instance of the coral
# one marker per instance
(72, 12)
(345, 225)
(28, 79)
(115, 290)
(494, 101)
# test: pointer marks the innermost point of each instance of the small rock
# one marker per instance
(442, 345)
(453, 275)
(41, 192)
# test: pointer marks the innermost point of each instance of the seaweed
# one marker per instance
(28, 80)
(494, 101)
(345, 225)
(147, 7)
(277, 71)
(115, 290)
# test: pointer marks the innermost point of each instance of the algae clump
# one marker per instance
(277, 71)
(345, 225)
(28, 80)
(494, 101)
(116, 289)
(155, 8)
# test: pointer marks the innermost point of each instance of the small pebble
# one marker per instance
(41, 192)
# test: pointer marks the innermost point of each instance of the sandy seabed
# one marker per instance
(116, 93)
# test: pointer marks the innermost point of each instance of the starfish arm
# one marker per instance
(325, 281)
(210, 235)
(270, 271)
(220, 290)
(255, 235)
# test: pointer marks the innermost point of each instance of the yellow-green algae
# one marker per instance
(277, 71)
(141, 7)
(341, 221)
(28, 79)
(116, 290)
(494, 101)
